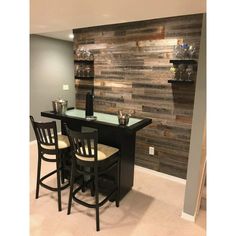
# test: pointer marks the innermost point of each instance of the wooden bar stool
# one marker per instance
(52, 144)
(99, 159)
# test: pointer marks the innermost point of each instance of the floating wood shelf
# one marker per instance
(84, 61)
(184, 61)
(180, 81)
(84, 77)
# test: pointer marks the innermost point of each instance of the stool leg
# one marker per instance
(92, 183)
(118, 184)
(71, 187)
(83, 182)
(38, 176)
(92, 188)
(58, 182)
(62, 168)
(97, 200)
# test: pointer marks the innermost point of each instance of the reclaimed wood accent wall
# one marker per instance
(131, 66)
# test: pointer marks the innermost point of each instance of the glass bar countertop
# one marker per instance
(102, 117)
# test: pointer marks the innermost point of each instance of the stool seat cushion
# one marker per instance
(104, 152)
(63, 142)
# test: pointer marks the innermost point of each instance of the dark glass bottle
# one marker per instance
(89, 104)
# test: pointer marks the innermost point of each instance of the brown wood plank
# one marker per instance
(131, 70)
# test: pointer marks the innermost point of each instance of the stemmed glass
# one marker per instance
(76, 70)
(185, 48)
(192, 51)
(181, 68)
(87, 71)
(81, 70)
(173, 72)
(178, 51)
(86, 55)
(189, 71)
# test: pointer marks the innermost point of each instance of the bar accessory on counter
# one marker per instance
(59, 106)
(89, 107)
(123, 118)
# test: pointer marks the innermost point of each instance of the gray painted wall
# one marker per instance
(197, 134)
(51, 66)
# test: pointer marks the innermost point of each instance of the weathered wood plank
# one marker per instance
(131, 70)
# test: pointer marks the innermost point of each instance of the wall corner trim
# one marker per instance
(188, 217)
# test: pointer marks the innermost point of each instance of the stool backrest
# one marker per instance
(84, 144)
(45, 132)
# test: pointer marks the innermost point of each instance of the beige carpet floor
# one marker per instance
(152, 208)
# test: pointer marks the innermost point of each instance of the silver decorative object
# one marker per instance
(123, 118)
(185, 51)
(84, 54)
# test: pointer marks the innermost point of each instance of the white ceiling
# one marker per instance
(60, 15)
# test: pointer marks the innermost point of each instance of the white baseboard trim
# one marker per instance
(188, 217)
(145, 170)
(159, 174)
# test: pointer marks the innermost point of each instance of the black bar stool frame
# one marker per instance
(47, 140)
(85, 145)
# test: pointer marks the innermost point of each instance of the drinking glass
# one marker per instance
(86, 55)
(189, 71)
(91, 57)
(192, 51)
(178, 51)
(173, 72)
(177, 73)
(78, 53)
(181, 68)
(76, 70)
(88, 71)
(82, 70)
(185, 48)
